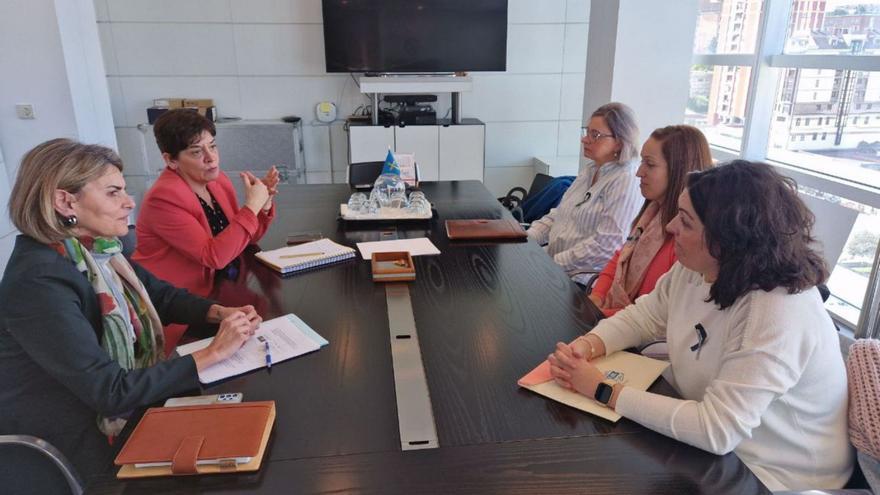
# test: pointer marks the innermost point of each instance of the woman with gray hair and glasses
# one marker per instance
(594, 215)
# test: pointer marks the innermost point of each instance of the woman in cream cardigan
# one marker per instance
(753, 353)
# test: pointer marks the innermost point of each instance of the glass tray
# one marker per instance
(383, 214)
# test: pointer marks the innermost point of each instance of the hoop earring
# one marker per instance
(70, 221)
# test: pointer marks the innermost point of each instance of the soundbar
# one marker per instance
(409, 99)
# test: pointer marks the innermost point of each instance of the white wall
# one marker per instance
(640, 53)
(7, 231)
(263, 59)
(33, 71)
(49, 57)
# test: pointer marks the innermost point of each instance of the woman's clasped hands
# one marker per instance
(571, 369)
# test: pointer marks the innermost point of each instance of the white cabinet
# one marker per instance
(462, 152)
(369, 143)
(442, 152)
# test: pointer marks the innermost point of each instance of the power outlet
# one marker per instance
(25, 111)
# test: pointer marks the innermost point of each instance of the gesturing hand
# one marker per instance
(271, 180)
(256, 194)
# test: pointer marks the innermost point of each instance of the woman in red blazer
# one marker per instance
(190, 225)
(667, 157)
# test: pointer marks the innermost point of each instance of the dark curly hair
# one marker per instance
(177, 129)
(757, 228)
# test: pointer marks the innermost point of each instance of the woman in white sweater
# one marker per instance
(753, 353)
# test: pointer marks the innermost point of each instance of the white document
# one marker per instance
(288, 337)
(415, 247)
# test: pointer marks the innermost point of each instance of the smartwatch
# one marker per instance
(603, 393)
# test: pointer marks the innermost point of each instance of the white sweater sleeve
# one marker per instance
(642, 322)
(760, 363)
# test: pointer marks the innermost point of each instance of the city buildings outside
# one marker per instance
(824, 120)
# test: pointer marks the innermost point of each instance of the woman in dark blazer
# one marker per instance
(81, 340)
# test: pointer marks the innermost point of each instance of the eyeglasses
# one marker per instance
(593, 134)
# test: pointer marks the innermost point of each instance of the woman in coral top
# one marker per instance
(667, 157)
(190, 227)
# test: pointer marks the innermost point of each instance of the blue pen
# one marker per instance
(268, 356)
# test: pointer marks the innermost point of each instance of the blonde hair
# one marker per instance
(622, 122)
(56, 164)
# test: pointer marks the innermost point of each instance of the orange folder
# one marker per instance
(213, 438)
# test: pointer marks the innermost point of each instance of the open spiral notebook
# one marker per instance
(291, 259)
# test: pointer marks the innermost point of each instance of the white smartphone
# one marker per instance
(201, 400)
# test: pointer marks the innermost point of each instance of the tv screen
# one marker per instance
(415, 35)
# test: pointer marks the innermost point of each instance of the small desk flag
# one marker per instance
(391, 166)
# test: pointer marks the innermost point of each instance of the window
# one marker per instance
(718, 109)
(833, 28)
(823, 59)
(727, 26)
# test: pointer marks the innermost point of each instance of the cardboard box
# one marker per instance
(198, 102)
(168, 102)
(154, 112)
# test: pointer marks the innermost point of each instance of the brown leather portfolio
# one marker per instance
(214, 438)
(503, 228)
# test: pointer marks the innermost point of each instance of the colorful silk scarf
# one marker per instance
(132, 334)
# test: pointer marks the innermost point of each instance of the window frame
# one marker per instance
(767, 63)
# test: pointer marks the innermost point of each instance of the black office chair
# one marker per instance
(29, 465)
(514, 199)
(362, 175)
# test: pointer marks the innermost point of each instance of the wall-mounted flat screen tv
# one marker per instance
(420, 36)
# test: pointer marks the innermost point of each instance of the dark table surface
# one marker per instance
(486, 313)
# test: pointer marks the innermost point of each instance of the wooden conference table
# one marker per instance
(486, 313)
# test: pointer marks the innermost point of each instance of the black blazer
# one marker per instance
(55, 378)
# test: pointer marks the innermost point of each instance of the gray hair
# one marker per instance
(622, 122)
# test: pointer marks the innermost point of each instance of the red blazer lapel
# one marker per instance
(174, 182)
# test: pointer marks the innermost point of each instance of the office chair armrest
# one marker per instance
(52, 453)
